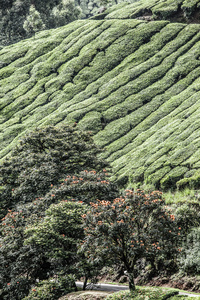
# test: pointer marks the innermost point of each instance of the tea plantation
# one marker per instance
(134, 83)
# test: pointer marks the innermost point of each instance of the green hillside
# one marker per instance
(136, 84)
(173, 10)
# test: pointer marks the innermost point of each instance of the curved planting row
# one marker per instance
(173, 10)
(135, 84)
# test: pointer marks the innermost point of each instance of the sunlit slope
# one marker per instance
(135, 84)
(174, 10)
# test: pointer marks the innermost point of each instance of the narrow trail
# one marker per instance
(117, 288)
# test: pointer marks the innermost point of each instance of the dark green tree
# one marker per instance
(41, 160)
(39, 250)
(33, 22)
(21, 19)
(47, 167)
(65, 12)
(131, 228)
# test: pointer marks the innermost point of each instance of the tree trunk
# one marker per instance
(131, 282)
(85, 283)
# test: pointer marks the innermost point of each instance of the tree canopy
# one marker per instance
(21, 19)
(131, 228)
(45, 186)
(42, 159)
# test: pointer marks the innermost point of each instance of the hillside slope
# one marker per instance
(136, 84)
(174, 10)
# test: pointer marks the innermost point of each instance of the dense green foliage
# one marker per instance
(184, 11)
(190, 260)
(130, 77)
(43, 186)
(144, 293)
(129, 229)
(134, 84)
(43, 237)
(21, 19)
(91, 8)
(31, 251)
(52, 289)
(41, 159)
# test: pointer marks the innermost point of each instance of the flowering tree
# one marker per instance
(130, 228)
(43, 158)
(39, 238)
(47, 167)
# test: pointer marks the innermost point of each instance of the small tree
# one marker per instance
(33, 22)
(64, 13)
(56, 237)
(130, 228)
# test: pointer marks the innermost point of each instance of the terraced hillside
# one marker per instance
(173, 10)
(135, 84)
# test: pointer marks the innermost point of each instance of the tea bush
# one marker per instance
(143, 293)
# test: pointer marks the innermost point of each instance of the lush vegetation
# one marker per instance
(130, 229)
(62, 222)
(41, 160)
(177, 10)
(134, 84)
(22, 19)
(91, 8)
(144, 293)
(46, 185)
(86, 110)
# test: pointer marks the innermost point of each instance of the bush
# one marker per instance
(52, 289)
(139, 294)
(190, 257)
(15, 289)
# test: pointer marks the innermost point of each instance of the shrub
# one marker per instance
(144, 293)
(190, 255)
(16, 289)
(52, 289)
